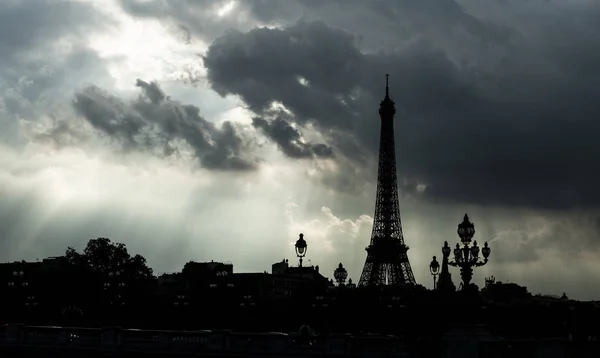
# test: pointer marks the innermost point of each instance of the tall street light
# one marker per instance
(434, 267)
(340, 274)
(19, 284)
(180, 301)
(301, 248)
(467, 257)
(114, 286)
(351, 284)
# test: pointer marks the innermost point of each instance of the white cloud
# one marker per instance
(145, 50)
(226, 9)
(330, 238)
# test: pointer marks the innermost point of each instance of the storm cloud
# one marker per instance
(516, 128)
(154, 121)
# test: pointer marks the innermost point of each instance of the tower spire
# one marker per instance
(387, 85)
(387, 261)
(387, 108)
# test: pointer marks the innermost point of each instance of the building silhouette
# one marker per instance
(387, 260)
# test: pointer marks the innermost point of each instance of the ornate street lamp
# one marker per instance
(301, 248)
(340, 274)
(30, 301)
(180, 300)
(114, 285)
(467, 257)
(320, 302)
(248, 301)
(331, 285)
(490, 281)
(351, 284)
(18, 280)
(446, 250)
(18, 284)
(434, 267)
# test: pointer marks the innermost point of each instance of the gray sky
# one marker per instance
(199, 130)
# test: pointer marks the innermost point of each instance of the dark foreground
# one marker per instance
(464, 342)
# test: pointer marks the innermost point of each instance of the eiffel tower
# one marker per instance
(387, 261)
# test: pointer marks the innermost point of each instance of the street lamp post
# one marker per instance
(247, 312)
(301, 248)
(351, 284)
(180, 300)
(20, 295)
(340, 274)
(114, 286)
(434, 267)
(247, 301)
(331, 285)
(18, 280)
(467, 257)
(320, 302)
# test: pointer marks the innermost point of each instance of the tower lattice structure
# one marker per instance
(387, 260)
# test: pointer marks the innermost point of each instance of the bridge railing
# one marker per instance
(271, 344)
(115, 338)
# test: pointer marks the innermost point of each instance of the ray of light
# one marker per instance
(144, 49)
(226, 9)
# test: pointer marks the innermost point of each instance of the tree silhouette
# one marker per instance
(101, 256)
(105, 280)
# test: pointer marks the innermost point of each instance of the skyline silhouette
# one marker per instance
(104, 257)
(209, 131)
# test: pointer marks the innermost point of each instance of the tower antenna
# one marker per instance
(387, 85)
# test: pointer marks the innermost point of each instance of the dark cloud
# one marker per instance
(154, 121)
(324, 57)
(289, 140)
(34, 70)
(195, 18)
(186, 34)
(510, 120)
(391, 24)
(31, 25)
(37, 100)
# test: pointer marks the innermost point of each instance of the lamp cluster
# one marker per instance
(114, 285)
(20, 284)
(466, 257)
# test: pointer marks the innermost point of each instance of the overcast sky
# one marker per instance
(219, 130)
